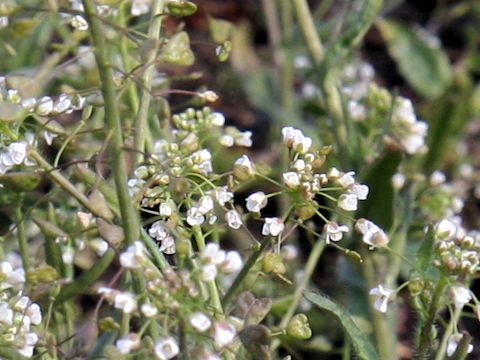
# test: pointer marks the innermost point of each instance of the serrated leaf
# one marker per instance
(363, 347)
(426, 68)
(177, 50)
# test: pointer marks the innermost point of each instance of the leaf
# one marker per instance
(363, 347)
(379, 205)
(425, 251)
(177, 50)
(426, 68)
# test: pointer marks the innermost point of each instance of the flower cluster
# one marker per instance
(18, 313)
(14, 154)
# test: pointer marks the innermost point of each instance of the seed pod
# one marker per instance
(181, 8)
(299, 328)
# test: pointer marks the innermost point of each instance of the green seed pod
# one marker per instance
(42, 275)
(273, 263)
(299, 328)
(108, 324)
(181, 8)
(416, 286)
(177, 50)
(99, 205)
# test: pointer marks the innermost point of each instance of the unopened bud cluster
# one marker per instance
(456, 253)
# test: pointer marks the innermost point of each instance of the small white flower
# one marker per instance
(17, 152)
(68, 255)
(126, 302)
(232, 263)
(356, 110)
(243, 168)
(3, 21)
(227, 140)
(372, 234)
(44, 106)
(134, 257)
(205, 204)
(445, 229)
(195, 216)
(437, 178)
(295, 139)
(212, 254)
(359, 190)
(383, 295)
(398, 181)
(29, 340)
(127, 343)
(140, 7)
(461, 295)
(289, 252)
(217, 119)
(233, 218)
(158, 231)
(166, 348)
(168, 245)
(244, 139)
(34, 313)
(209, 272)
(202, 161)
(256, 201)
(348, 202)
(100, 246)
(222, 195)
(223, 333)
(166, 209)
(6, 314)
(148, 310)
(334, 232)
(291, 180)
(453, 341)
(273, 226)
(346, 179)
(200, 321)
(29, 104)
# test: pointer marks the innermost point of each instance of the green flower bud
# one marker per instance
(108, 324)
(273, 263)
(42, 275)
(299, 328)
(181, 8)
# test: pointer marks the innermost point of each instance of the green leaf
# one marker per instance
(363, 347)
(177, 50)
(426, 68)
(425, 251)
(379, 205)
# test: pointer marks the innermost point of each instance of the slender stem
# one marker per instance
(22, 238)
(305, 19)
(426, 331)
(129, 216)
(252, 260)
(451, 326)
(312, 261)
(141, 128)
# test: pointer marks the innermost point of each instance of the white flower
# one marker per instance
(334, 232)
(168, 245)
(29, 340)
(17, 152)
(291, 180)
(222, 195)
(166, 209)
(100, 246)
(398, 180)
(233, 218)
(202, 161)
(453, 341)
(348, 202)
(289, 252)
(166, 348)
(148, 310)
(437, 178)
(356, 110)
(44, 106)
(346, 179)
(34, 313)
(383, 295)
(359, 190)
(125, 301)
(295, 139)
(134, 256)
(127, 343)
(243, 168)
(256, 201)
(68, 255)
(273, 226)
(227, 140)
(244, 139)
(140, 7)
(461, 295)
(223, 333)
(6, 314)
(29, 104)
(3, 21)
(445, 229)
(372, 234)
(205, 204)
(195, 216)
(209, 272)
(200, 321)
(158, 231)
(232, 263)
(212, 254)
(217, 119)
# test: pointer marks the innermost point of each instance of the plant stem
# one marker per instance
(228, 297)
(141, 126)
(426, 331)
(22, 238)
(312, 261)
(129, 216)
(451, 326)
(305, 19)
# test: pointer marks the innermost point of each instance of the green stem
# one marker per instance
(129, 216)
(22, 238)
(252, 260)
(312, 261)
(426, 331)
(141, 127)
(307, 25)
(212, 286)
(451, 326)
